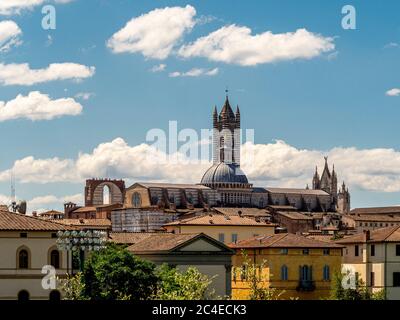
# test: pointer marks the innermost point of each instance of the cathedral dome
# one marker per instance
(221, 173)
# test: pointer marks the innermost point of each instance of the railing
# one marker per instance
(306, 285)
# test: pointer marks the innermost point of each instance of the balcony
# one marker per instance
(306, 285)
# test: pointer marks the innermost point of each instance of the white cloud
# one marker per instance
(31, 170)
(273, 164)
(195, 72)
(10, 7)
(393, 92)
(84, 95)
(236, 45)
(9, 35)
(155, 33)
(38, 106)
(4, 200)
(50, 202)
(22, 74)
(391, 45)
(158, 68)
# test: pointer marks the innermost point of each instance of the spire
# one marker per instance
(226, 111)
(237, 110)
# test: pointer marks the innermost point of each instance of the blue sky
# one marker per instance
(335, 99)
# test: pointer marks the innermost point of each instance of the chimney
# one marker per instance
(34, 213)
(367, 235)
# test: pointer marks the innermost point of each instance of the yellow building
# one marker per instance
(373, 256)
(292, 265)
(225, 229)
(27, 244)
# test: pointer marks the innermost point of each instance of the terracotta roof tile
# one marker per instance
(376, 210)
(294, 215)
(86, 222)
(161, 242)
(128, 237)
(389, 234)
(220, 220)
(282, 240)
(376, 217)
(15, 221)
(243, 211)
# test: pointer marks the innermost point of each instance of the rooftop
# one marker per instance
(51, 213)
(376, 217)
(10, 221)
(219, 220)
(166, 242)
(128, 237)
(388, 234)
(294, 215)
(282, 240)
(243, 211)
(86, 222)
(170, 185)
(376, 210)
(298, 191)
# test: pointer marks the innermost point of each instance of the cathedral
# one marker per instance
(224, 184)
(234, 189)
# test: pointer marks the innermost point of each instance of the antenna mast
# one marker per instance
(12, 178)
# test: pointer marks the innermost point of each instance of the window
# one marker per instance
(284, 273)
(54, 235)
(221, 237)
(326, 273)
(397, 249)
(356, 250)
(23, 259)
(55, 259)
(372, 280)
(106, 195)
(372, 250)
(23, 235)
(284, 251)
(326, 252)
(306, 251)
(136, 200)
(306, 273)
(396, 279)
(234, 237)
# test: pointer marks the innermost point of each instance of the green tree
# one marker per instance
(359, 292)
(188, 285)
(73, 287)
(114, 273)
(253, 274)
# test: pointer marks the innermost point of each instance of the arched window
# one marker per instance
(55, 295)
(306, 273)
(106, 195)
(55, 259)
(136, 200)
(284, 273)
(23, 295)
(23, 259)
(326, 273)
